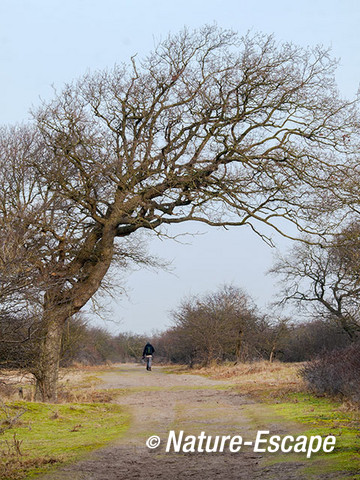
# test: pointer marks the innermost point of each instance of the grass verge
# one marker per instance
(46, 435)
(282, 399)
(323, 416)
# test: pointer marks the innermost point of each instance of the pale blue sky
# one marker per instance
(44, 43)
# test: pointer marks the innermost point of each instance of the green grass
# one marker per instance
(52, 434)
(280, 400)
(305, 414)
(324, 417)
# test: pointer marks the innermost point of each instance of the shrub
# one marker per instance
(336, 373)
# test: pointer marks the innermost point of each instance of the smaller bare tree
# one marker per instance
(325, 279)
(217, 326)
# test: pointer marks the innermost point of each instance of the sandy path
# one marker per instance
(160, 402)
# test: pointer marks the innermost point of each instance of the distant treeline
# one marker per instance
(217, 327)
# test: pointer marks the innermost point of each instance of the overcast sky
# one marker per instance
(45, 43)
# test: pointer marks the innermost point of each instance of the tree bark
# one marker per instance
(238, 345)
(58, 307)
(272, 354)
(47, 371)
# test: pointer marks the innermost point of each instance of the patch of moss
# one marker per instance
(58, 433)
(305, 414)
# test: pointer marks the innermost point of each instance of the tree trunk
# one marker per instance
(272, 354)
(59, 306)
(47, 371)
(238, 345)
(348, 326)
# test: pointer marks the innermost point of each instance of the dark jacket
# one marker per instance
(148, 349)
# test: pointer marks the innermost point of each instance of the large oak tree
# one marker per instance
(210, 127)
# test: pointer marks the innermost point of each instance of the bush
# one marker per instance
(336, 373)
(306, 340)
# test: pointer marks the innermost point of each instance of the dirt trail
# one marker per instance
(160, 402)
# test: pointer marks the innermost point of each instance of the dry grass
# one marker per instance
(80, 384)
(14, 466)
(10, 383)
(76, 384)
(261, 379)
(84, 394)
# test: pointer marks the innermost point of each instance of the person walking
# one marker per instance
(148, 353)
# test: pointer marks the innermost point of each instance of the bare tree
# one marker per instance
(223, 325)
(325, 278)
(275, 337)
(210, 127)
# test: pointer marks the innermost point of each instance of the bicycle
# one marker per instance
(148, 361)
